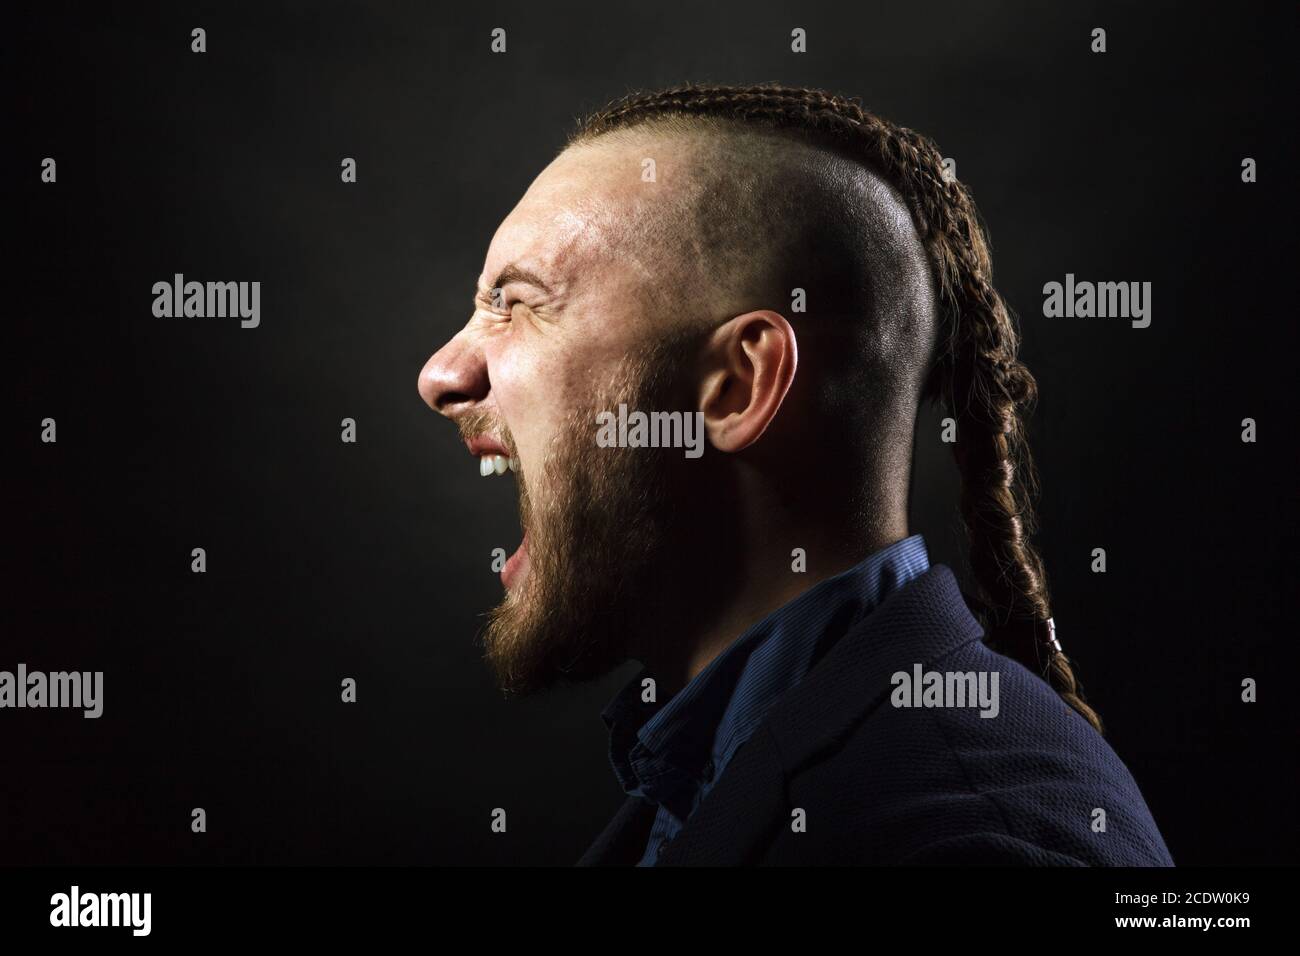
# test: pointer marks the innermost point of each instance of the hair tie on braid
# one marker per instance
(1049, 634)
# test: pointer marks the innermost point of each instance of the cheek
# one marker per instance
(540, 381)
(534, 390)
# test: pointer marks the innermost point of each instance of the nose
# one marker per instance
(455, 377)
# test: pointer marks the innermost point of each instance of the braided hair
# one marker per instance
(976, 373)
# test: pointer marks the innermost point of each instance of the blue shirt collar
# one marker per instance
(671, 752)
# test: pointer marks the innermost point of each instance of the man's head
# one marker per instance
(779, 262)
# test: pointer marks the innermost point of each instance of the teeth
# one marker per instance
(496, 464)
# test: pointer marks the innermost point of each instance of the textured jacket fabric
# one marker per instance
(836, 774)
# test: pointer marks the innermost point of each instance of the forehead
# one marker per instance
(588, 212)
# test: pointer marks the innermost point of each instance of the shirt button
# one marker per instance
(708, 772)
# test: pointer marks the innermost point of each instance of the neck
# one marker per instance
(763, 576)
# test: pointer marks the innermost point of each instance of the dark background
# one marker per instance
(371, 560)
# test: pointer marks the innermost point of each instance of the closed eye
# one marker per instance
(490, 300)
(496, 302)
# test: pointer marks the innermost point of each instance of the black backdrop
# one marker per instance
(328, 560)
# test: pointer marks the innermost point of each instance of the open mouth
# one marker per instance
(495, 460)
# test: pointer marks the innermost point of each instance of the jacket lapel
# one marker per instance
(917, 625)
(736, 821)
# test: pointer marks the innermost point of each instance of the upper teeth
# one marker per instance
(487, 464)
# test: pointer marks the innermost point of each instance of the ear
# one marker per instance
(749, 364)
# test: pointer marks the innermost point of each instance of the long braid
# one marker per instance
(977, 373)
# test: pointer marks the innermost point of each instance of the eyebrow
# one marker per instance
(512, 273)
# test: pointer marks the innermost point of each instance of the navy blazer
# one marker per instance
(880, 784)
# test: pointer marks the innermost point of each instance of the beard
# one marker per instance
(599, 542)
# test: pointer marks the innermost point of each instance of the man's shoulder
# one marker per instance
(971, 757)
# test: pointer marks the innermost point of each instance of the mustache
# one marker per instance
(481, 423)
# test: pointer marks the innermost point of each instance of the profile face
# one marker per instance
(564, 325)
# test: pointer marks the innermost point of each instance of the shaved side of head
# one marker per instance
(736, 219)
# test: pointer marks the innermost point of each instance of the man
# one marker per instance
(782, 278)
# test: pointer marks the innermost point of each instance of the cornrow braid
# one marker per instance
(977, 374)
